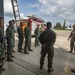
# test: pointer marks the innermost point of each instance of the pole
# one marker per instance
(2, 8)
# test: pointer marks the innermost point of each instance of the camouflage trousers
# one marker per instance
(9, 51)
(72, 46)
(47, 50)
(20, 43)
(36, 41)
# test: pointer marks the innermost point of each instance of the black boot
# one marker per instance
(41, 66)
(73, 70)
(30, 50)
(50, 70)
(8, 59)
(3, 69)
(26, 53)
(70, 52)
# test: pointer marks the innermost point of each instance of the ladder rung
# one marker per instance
(14, 0)
(15, 5)
(17, 15)
(17, 11)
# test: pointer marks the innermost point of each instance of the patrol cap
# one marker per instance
(49, 24)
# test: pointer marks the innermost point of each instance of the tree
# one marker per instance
(64, 24)
(58, 25)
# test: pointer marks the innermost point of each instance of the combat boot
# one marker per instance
(9, 60)
(70, 52)
(19, 51)
(38, 44)
(13, 51)
(41, 66)
(26, 53)
(73, 70)
(30, 50)
(50, 70)
(3, 69)
(12, 56)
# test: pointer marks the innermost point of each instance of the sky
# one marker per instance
(49, 10)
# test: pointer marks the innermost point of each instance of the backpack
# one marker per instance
(47, 37)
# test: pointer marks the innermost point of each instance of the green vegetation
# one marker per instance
(59, 27)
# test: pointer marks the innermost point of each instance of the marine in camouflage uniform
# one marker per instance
(20, 37)
(37, 33)
(2, 45)
(27, 33)
(13, 23)
(72, 36)
(47, 49)
(10, 40)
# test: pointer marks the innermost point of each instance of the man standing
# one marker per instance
(13, 23)
(47, 39)
(27, 33)
(72, 43)
(10, 40)
(2, 31)
(20, 37)
(2, 45)
(37, 33)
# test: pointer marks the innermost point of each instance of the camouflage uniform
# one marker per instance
(20, 37)
(48, 49)
(47, 46)
(27, 33)
(37, 33)
(1, 50)
(72, 36)
(10, 40)
(2, 45)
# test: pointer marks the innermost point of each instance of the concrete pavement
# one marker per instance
(29, 64)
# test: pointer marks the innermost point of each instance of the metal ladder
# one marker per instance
(15, 10)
